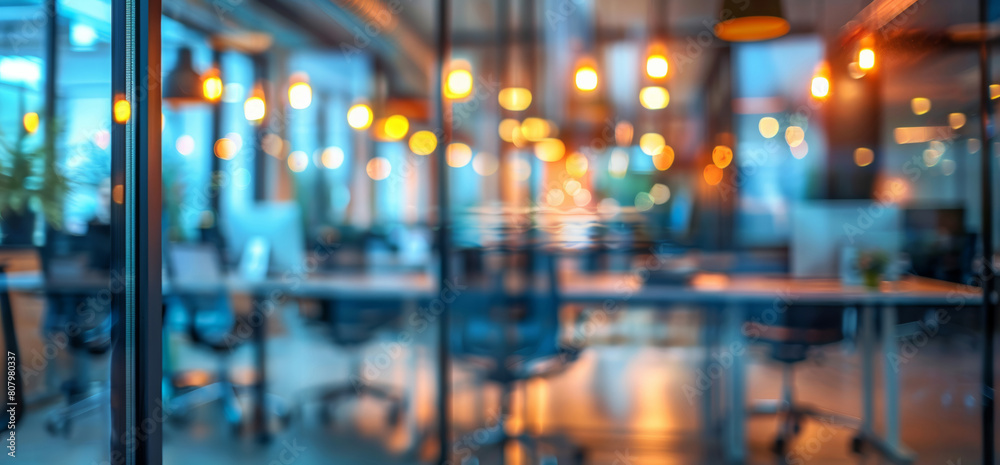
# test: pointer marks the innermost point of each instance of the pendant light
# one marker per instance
(751, 21)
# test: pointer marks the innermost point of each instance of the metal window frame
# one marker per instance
(136, 408)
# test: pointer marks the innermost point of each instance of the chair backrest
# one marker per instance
(354, 322)
(207, 314)
(791, 330)
(490, 322)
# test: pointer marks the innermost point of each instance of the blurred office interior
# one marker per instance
(481, 232)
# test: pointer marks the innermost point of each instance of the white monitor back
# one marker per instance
(822, 230)
(278, 224)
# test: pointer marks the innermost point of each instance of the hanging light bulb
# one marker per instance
(458, 80)
(820, 87)
(657, 66)
(586, 78)
(866, 53)
(254, 108)
(211, 85)
(300, 93)
(359, 116)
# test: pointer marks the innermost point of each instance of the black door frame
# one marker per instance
(137, 410)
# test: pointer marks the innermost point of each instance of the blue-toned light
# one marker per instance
(20, 70)
(82, 36)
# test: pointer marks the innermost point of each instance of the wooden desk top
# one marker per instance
(620, 287)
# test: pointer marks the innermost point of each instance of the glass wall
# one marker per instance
(513, 231)
(55, 202)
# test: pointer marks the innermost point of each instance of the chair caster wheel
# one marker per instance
(779, 446)
(857, 444)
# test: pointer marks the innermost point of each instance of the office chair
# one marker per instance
(514, 337)
(210, 323)
(790, 338)
(352, 324)
(82, 319)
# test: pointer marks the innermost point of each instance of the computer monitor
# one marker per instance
(821, 232)
(279, 224)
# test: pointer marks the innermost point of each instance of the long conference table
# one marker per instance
(733, 294)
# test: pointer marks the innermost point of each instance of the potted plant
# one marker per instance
(29, 184)
(872, 265)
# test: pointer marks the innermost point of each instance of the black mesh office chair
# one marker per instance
(211, 322)
(77, 316)
(791, 335)
(352, 324)
(513, 337)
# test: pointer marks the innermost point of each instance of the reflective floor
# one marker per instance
(625, 400)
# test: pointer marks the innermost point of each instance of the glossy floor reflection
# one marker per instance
(623, 400)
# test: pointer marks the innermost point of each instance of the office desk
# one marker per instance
(734, 293)
(611, 290)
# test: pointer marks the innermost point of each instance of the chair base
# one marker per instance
(330, 396)
(791, 416)
(59, 422)
(894, 454)
(238, 415)
(541, 450)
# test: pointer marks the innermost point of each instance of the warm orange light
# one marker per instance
(254, 108)
(359, 116)
(458, 84)
(794, 135)
(550, 150)
(713, 174)
(956, 120)
(396, 127)
(866, 58)
(656, 66)
(586, 78)
(920, 105)
(768, 127)
(623, 133)
(514, 98)
(576, 165)
(458, 155)
(225, 148)
(820, 87)
(722, 156)
(665, 159)
(211, 87)
(423, 142)
(651, 143)
(507, 128)
(654, 97)
(122, 110)
(535, 129)
(863, 156)
(752, 28)
(30, 122)
(118, 194)
(300, 95)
